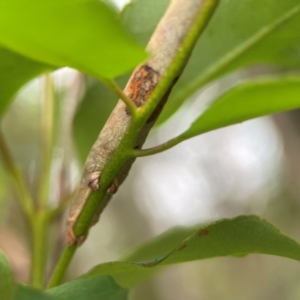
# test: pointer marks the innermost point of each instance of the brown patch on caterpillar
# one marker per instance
(141, 86)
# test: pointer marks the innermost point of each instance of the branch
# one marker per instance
(21, 188)
(117, 90)
(111, 156)
(157, 149)
(48, 111)
(39, 219)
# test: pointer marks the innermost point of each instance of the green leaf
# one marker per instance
(142, 17)
(7, 283)
(28, 293)
(15, 71)
(93, 288)
(247, 101)
(160, 246)
(228, 237)
(240, 34)
(256, 35)
(83, 34)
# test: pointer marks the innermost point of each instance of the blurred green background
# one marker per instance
(250, 168)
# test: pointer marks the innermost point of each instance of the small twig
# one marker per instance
(149, 88)
(117, 90)
(64, 261)
(40, 219)
(39, 222)
(23, 193)
(160, 148)
(48, 112)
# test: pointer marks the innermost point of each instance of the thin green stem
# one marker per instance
(160, 148)
(69, 252)
(48, 117)
(39, 237)
(40, 217)
(180, 60)
(23, 193)
(118, 91)
(123, 152)
(62, 265)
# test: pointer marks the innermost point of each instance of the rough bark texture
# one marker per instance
(163, 47)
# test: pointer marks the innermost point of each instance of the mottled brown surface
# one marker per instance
(142, 84)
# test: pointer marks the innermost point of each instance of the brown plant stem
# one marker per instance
(111, 156)
(164, 46)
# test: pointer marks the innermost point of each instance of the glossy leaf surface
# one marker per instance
(93, 288)
(83, 34)
(15, 71)
(229, 237)
(29, 293)
(247, 101)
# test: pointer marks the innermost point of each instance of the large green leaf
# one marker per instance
(229, 237)
(15, 71)
(7, 283)
(93, 288)
(142, 17)
(83, 34)
(240, 34)
(247, 101)
(28, 293)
